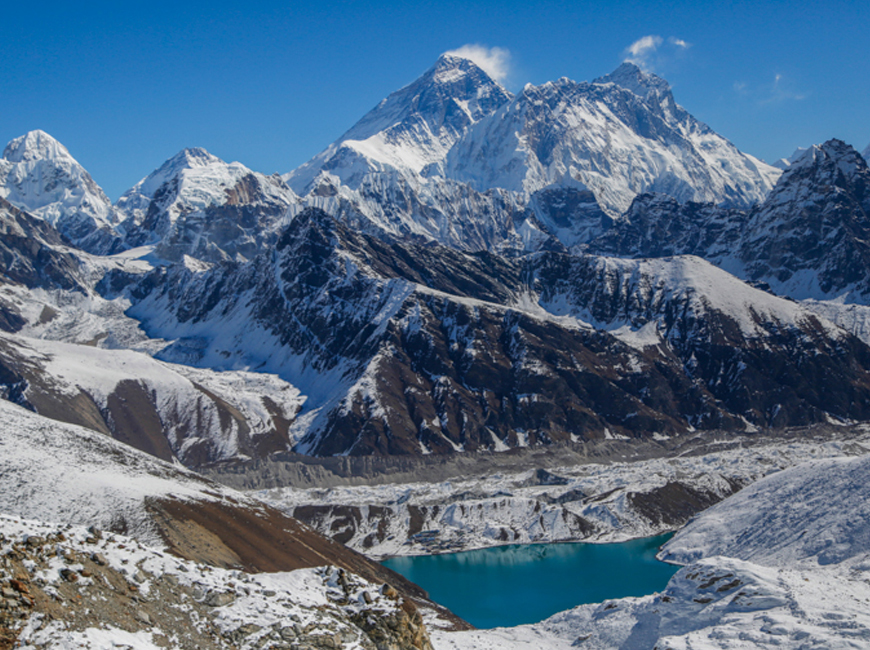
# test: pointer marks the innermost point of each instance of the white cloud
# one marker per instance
(494, 61)
(643, 48)
(653, 52)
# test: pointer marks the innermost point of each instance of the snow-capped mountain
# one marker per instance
(811, 237)
(455, 158)
(38, 174)
(198, 205)
(807, 239)
(621, 135)
(410, 131)
(786, 518)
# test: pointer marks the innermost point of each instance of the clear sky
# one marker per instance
(125, 85)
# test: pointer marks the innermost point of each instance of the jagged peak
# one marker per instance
(632, 78)
(451, 67)
(844, 155)
(311, 222)
(191, 157)
(455, 76)
(34, 145)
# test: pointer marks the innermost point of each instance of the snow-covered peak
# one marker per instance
(196, 204)
(38, 174)
(785, 163)
(34, 145)
(412, 130)
(193, 179)
(866, 153)
(191, 158)
(610, 138)
(450, 67)
(629, 76)
(824, 162)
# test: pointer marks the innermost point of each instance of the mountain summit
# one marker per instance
(643, 84)
(38, 174)
(621, 135)
(196, 204)
(412, 128)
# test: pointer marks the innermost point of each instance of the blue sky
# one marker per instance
(126, 85)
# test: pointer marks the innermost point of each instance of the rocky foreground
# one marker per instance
(63, 586)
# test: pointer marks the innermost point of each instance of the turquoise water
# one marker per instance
(512, 585)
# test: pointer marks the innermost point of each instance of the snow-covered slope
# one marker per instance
(410, 131)
(408, 207)
(196, 416)
(785, 163)
(64, 473)
(807, 239)
(196, 204)
(816, 512)
(717, 327)
(866, 153)
(783, 563)
(38, 174)
(620, 135)
(70, 475)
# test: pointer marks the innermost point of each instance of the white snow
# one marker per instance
(807, 585)
(258, 603)
(188, 413)
(60, 472)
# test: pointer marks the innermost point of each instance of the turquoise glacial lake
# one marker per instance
(513, 585)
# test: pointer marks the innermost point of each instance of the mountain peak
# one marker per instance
(450, 67)
(191, 157)
(34, 145)
(632, 78)
(413, 128)
(844, 156)
(866, 153)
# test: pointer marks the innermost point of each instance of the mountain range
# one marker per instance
(464, 269)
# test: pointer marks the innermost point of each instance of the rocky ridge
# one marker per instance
(415, 350)
(807, 239)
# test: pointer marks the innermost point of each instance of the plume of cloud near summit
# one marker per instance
(494, 61)
(651, 52)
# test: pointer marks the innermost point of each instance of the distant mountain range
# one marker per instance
(464, 269)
